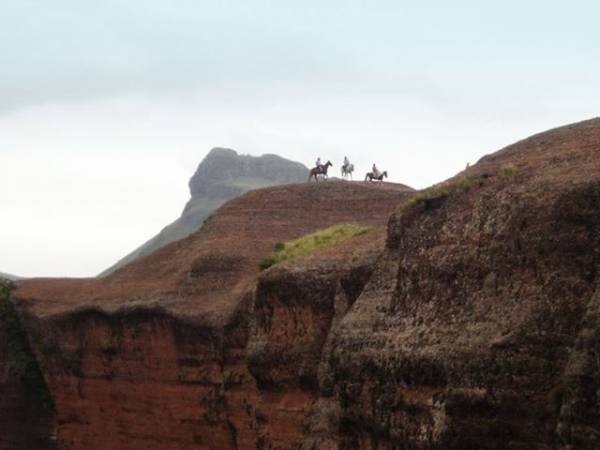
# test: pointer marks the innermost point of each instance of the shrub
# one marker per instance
(21, 362)
(267, 262)
(312, 242)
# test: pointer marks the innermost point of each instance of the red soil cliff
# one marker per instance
(472, 322)
(480, 326)
(154, 356)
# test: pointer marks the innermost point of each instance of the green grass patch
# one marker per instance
(312, 242)
(21, 361)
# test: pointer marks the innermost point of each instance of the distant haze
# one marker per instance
(106, 108)
(220, 177)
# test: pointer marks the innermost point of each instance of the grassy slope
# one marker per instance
(312, 242)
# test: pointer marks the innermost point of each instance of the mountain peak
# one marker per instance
(222, 175)
(225, 173)
(221, 152)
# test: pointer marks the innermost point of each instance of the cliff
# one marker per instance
(154, 355)
(221, 176)
(468, 317)
(479, 326)
(27, 419)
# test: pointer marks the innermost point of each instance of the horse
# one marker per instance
(320, 170)
(380, 177)
(347, 170)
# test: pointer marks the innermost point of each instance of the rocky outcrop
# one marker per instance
(221, 176)
(470, 322)
(225, 174)
(478, 328)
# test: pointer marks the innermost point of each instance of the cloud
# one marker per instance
(106, 108)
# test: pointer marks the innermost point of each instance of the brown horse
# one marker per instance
(320, 170)
(380, 177)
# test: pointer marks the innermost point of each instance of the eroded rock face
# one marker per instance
(472, 322)
(478, 326)
(156, 355)
(295, 307)
(27, 418)
(144, 380)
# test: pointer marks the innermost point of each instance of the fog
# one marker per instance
(107, 109)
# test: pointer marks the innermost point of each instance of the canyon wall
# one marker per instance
(468, 317)
(479, 326)
(156, 356)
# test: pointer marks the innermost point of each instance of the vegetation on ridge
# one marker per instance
(21, 361)
(439, 191)
(311, 242)
(458, 186)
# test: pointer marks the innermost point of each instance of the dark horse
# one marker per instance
(380, 177)
(320, 170)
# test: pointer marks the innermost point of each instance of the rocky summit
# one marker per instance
(221, 176)
(466, 316)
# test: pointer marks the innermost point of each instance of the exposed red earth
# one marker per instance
(154, 355)
(472, 321)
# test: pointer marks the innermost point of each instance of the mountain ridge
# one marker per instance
(222, 175)
(467, 318)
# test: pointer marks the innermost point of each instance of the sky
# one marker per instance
(107, 108)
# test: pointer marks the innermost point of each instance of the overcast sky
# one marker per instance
(107, 107)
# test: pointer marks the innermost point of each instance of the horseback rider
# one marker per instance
(375, 171)
(318, 164)
(346, 163)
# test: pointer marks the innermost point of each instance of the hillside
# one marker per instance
(466, 317)
(8, 276)
(222, 175)
(119, 351)
(479, 327)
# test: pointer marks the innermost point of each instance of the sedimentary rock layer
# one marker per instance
(155, 355)
(470, 322)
